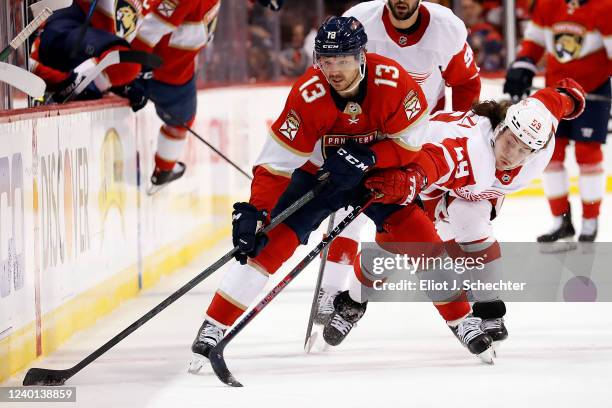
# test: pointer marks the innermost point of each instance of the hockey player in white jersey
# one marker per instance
(430, 42)
(475, 159)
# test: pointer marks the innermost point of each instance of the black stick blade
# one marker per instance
(43, 376)
(217, 361)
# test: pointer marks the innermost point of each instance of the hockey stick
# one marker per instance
(25, 33)
(53, 5)
(42, 11)
(23, 80)
(79, 41)
(315, 299)
(217, 360)
(42, 376)
(213, 148)
(112, 58)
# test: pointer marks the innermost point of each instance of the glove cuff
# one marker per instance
(417, 168)
(525, 63)
(575, 109)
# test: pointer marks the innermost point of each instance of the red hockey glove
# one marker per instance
(397, 186)
(571, 88)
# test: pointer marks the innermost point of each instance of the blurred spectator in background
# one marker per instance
(493, 11)
(294, 60)
(483, 37)
(262, 43)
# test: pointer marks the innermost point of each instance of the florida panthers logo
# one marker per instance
(569, 38)
(126, 18)
(354, 110)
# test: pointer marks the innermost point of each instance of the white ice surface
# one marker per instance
(401, 354)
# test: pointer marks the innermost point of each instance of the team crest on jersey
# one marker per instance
(412, 105)
(419, 77)
(568, 38)
(354, 110)
(126, 17)
(166, 8)
(290, 126)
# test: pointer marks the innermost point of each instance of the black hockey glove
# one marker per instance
(64, 91)
(137, 91)
(246, 221)
(346, 168)
(273, 4)
(519, 78)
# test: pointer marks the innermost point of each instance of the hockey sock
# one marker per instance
(238, 289)
(170, 144)
(455, 311)
(592, 177)
(556, 188)
(339, 266)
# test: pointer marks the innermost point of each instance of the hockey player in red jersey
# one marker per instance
(429, 42)
(69, 49)
(575, 36)
(175, 30)
(471, 161)
(356, 111)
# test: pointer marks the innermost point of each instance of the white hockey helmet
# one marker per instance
(531, 122)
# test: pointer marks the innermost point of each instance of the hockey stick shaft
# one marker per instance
(113, 58)
(216, 354)
(25, 33)
(315, 298)
(83, 29)
(41, 376)
(193, 132)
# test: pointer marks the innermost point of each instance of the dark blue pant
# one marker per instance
(592, 125)
(62, 34)
(174, 104)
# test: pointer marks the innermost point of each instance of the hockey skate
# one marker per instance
(346, 314)
(160, 178)
(325, 306)
(325, 309)
(208, 336)
(471, 335)
(589, 230)
(497, 330)
(561, 237)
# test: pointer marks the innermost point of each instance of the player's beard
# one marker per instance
(403, 15)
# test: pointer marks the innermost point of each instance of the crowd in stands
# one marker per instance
(292, 52)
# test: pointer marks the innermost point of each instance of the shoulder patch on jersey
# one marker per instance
(412, 105)
(126, 17)
(166, 8)
(290, 126)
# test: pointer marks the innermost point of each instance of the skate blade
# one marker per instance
(558, 247)
(153, 189)
(495, 348)
(487, 356)
(311, 341)
(316, 346)
(197, 363)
